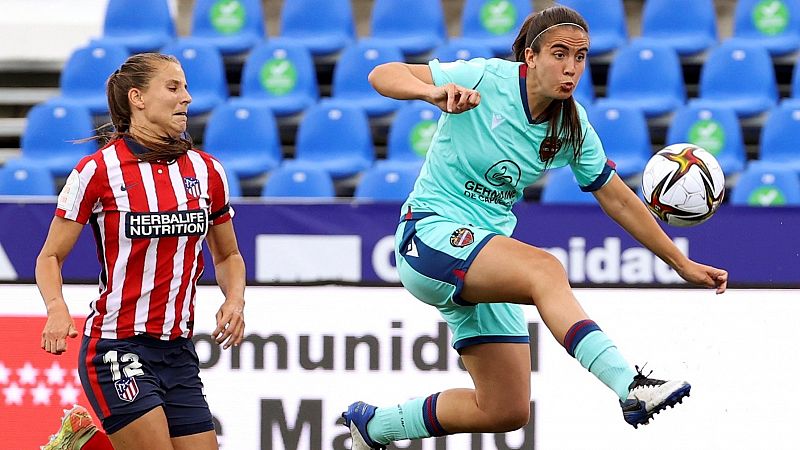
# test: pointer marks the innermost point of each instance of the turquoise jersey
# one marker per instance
(480, 161)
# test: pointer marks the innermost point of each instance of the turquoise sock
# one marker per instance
(600, 356)
(406, 421)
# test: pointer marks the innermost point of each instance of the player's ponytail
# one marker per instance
(564, 127)
(137, 72)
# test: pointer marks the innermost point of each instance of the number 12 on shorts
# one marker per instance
(131, 365)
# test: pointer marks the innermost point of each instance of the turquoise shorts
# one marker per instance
(433, 255)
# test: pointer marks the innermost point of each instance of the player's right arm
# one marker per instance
(415, 82)
(60, 240)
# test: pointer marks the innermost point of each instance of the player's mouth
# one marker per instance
(566, 87)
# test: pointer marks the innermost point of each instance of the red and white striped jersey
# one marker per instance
(149, 222)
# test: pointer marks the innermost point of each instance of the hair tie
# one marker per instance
(553, 26)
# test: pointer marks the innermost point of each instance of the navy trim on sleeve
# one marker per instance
(216, 215)
(601, 179)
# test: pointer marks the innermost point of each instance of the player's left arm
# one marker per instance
(231, 277)
(622, 205)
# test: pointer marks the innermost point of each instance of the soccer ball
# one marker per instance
(683, 185)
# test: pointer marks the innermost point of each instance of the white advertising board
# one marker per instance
(311, 351)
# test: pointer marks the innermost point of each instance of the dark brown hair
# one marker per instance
(563, 121)
(137, 72)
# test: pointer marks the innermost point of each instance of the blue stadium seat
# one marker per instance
(350, 84)
(688, 26)
(773, 25)
(205, 73)
(233, 26)
(625, 136)
(291, 180)
(335, 138)
(658, 93)
(584, 91)
(764, 184)
(387, 182)
(780, 137)
(494, 23)
(465, 49)
(280, 74)
(49, 131)
(234, 186)
(83, 78)
(323, 27)
(244, 137)
(606, 19)
(414, 26)
(20, 177)
(411, 132)
(738, 75)
(138, 25)
(714, 129)
(561, 187)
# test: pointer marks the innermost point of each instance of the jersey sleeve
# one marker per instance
(80, 193)
(221, 210)
(462, 73)
(592, 169)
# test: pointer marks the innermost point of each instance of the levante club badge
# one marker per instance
(548, 148)
(462, 237)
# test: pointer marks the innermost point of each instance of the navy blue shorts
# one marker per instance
(125, 378)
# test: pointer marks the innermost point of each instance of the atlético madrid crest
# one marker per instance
(462, 237)
(127, 389)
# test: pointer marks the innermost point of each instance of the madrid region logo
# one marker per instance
(503, 173)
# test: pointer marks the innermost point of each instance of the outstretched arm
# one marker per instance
(622, 205)
(415, 82)
(60, 239)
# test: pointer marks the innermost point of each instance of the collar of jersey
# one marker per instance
(135, 147)
(523, 93)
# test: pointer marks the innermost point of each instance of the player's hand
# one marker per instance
(58, 327)
(707, 276)
(230, 323)
(455, 99)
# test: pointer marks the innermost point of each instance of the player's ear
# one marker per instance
(135, 98)
(530, 57)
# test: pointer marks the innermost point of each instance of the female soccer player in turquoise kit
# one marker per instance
(504, 124)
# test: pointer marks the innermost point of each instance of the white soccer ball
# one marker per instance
(683, 185)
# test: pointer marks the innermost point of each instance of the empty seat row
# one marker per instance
(381, 182)
(760, 184)
(236, 26)
(278, 73)
(417, 26)
(282, 75)
(337, 138)
(244, 136)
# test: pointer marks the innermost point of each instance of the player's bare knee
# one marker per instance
(547, 274)
(513, 418)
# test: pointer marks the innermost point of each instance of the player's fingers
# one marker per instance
(471, 100)
(451, 97)
(722, 282)
(72, 331)
(463, 98)
(61, 345)
(236, 336)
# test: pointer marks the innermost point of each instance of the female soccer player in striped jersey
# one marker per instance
(151, 200)
(504, 124)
